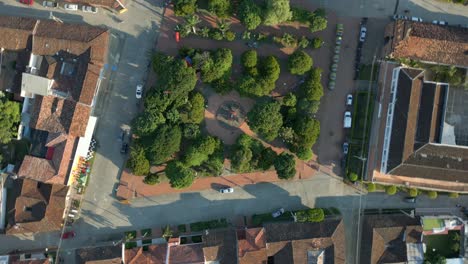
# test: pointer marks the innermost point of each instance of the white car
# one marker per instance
(363, 33)
(349, 99)
(89, 9)
(345, 148)
(277, 212)
(227, 190)
(139, 91)
(437, 22)
(347, 119)
(71, 7)
(396, 17)
(49, 4)
(416, 19)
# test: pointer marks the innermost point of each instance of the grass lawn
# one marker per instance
(431, 223)
(365, 72)
(213, 224)
(259, 219)
(442, 244)
(354, 164)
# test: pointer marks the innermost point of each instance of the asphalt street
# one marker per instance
(133, 36)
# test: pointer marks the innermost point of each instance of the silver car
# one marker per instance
(70, 7)
(89, 9)
(277, 213)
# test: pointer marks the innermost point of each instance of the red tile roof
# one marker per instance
(155, 254)
(427, 42)
(38, 207)
(184, 254)
(251, 245)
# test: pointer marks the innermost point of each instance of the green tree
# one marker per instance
(286, 134)
(223, 26)
(138, 162)
(391, 190)
(267, 158)
(304, 152)
(276, 12)
(191, 131)
(270, 68)
(352, 176)
(194, 111)
(314, 215)
(317, 23)
(371, 187)
(453, 195)
(230, 35)
(9, 119)
(179, 176)
(432, 194)
(265, 119)
(433, 257)
(151, 179)
(222, 8)
(221, 63)
(413, 192)
(162, 144)
(317, 43)
(285, 166)
(299, 62)
(307, 131)
(147, 122)
(250, 14)
(241, 158)
(290, 100)
(167, 233)
(244, 141)
(200, 150)
(312, 88)
(249, 58)
(185, 7)
(192, 21)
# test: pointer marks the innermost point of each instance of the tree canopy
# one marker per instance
(138, 162)
(313, 215)
(285, 166)
(179, 175)
(216, 65)
(222, 8)
(299, 62)
(194, 111)
(162, 144)
(185, 7)
(200, 150)
(9, 119)
(250, 14)
(249, 59)
(312, 87)
(276, 12)
(265, 119)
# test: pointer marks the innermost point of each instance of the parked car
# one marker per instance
(345, 148)
(362, 36)
(71, 7)
(69, 234)
(410, 199)
(347, 119)
(27, 2)
(49, 4)
(416, 19)
(124, 148)
(349, 99)
(227, 190)
(402, 17)
(437, 22)
(277, 213)
(89, 9)
(139, 91)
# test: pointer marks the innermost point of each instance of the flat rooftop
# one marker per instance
(455, 126)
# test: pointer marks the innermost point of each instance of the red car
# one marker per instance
(69, 234)
(27, 2)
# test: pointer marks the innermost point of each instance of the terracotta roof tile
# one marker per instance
(155, 254)
(99, 255)
(427, 42)
(31, 214)
(16, 32)
(37, 168)
(190, 253)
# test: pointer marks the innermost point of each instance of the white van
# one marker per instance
(347, 120)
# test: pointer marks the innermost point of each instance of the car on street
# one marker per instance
(416, 19)
(362, 35)
(410, 199)
(439, 22)
(70, 7)
(227, 190)
(89, 9)
(347, 119)
(401, 17)
(124, 148)
(49, 4)
(69, 234)
(277, 213)
(139, 91)
(345, 148)
(349, 99)
(27, 2)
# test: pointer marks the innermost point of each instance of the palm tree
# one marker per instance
(223, 25)
(167, 233)
(191, 21)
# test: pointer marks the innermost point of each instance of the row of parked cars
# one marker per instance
(66, 6)
(336, 57)
(418, 19)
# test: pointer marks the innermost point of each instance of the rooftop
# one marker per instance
(99, 255)
(153, 254)
(427, 42)
(35, 206)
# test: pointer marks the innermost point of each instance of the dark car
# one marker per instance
(69, 234)
(124, 148)
(410, 199)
